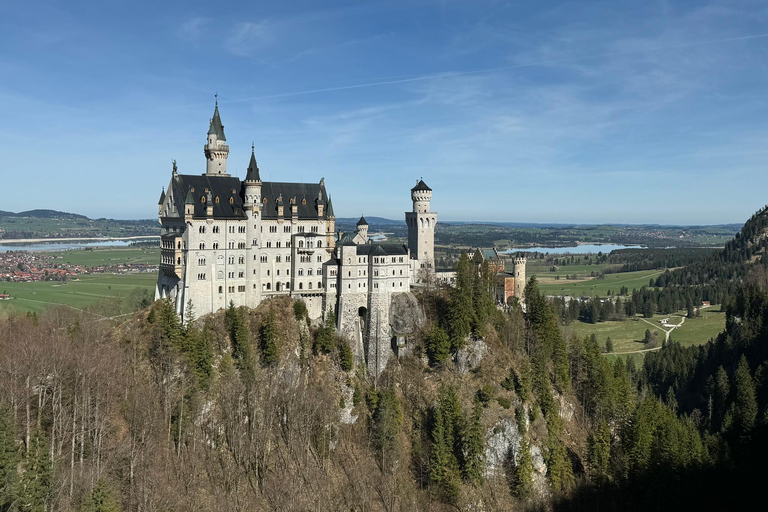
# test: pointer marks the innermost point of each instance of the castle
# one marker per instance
(229, 241)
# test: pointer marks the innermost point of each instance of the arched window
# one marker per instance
(301, 243)
(319, 285)
(319, 244)
(301, 286)
(269, 286)
(202, 246)
(221, 289)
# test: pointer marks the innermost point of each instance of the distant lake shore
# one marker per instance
(65, 244)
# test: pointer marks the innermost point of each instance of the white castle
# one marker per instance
(226, 240)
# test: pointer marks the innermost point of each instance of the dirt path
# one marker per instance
(666, 333)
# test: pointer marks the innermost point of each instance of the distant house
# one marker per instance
(4, 296)
(705, 303)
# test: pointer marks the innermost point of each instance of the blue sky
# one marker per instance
(584, 111)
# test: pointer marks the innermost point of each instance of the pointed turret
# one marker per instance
(253, 168)
(162, 197)
(216, 150)
(189, 204)
(362, 221)
(330, 208)
(216, 128)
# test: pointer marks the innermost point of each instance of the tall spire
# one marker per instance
(216, 127)
(253, 168)
(330, 208)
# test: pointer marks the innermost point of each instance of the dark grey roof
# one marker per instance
(346, 239)
(303, 194)
(329, 210)
(382, 250)
(190, 199)
(253, 169)
(362, 222)
(222, 188)
(421, 186)
(216, 127)
(162, 197)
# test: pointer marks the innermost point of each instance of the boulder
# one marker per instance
(470, 357)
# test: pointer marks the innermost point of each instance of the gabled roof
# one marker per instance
(421, 186)
(253, 169)
(162, 197)
(362, 222)
(216, 127)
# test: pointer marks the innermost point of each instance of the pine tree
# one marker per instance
(36, 476)
(324, 338)
(599, 452)
(522, 486)
(387, 421)
(102, 499)
(242, 349)
(438, 345)
(474, 446)
(270, 353)
(558, 463)
(9, 459)
(461, 313)
(745, 398)
(445, 437)
(346, 358)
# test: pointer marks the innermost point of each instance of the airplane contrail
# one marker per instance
(449, 74)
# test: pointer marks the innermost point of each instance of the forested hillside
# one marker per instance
(263, 410)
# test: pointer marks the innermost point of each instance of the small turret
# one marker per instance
(216, 150)
(362, 228)
(330, 208)
(421, 195)
(189, 204)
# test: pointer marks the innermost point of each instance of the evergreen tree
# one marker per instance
(474, 446)
(36, 477)
(609, 345)
(599, 452)
(324, 338)
(9, 459)
(387, 421)
(445, 439)
(438, 345)
(745, 400)
(559, 468)
(242, 349)
(270, 354)
(102, 499)
(461, 313)
(346, 358)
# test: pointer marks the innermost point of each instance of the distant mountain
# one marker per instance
(379, 221)
(44, 214)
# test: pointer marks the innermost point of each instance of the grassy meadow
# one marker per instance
(88, 289)
(590, 287)
(627, 336)
(109, 256)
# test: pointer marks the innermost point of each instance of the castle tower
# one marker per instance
(362, 231)
(421, 228)
(519, 272)
(252, 207)
(217, 150)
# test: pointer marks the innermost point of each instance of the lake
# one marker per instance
(578, 249)
(67, 246)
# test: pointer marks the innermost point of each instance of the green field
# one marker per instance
(627, 335)
(38, 296)
(599, 287)
(97, 257)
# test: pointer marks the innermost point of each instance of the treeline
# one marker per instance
(632, 260)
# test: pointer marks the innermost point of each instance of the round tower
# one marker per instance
(362, 228)
(216, 150)
(421, 224)
(519, 272)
